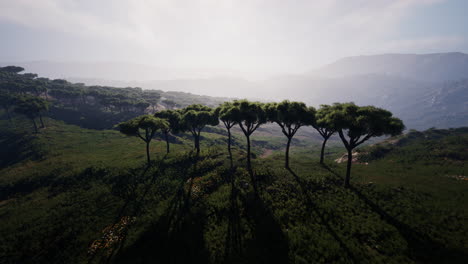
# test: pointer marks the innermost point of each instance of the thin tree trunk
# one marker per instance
(148, 152)
(42, 122)
(167, 141)
(286, 165)
(35, 125)
(249, 165)
(348, 168)
(197, 143)
(322, 152)
(229, 147)
(194, 140)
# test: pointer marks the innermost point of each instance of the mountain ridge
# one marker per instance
(429, 67)
(406, 90)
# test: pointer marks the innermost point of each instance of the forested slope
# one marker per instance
(96, 107)
(73, 189)
(87, 196)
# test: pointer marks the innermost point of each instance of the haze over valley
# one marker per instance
(237, 132)
(426, 90)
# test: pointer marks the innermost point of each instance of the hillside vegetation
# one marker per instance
(77, 196)
(424, 90)
(121, 175)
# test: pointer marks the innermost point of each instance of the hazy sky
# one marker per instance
(246, 35)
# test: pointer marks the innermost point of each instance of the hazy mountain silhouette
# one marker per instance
(427, 67)
(424, 90)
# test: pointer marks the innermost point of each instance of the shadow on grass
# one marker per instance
(421, 247)
(233, 244)
(259, 239)
(312, 207)
(268, 243)
(177, 236)
(134, 201)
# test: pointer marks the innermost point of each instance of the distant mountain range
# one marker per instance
(426, 90)
(434, 67)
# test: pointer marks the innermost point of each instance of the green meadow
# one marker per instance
(75, 195)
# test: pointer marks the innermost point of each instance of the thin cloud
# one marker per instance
(252, 35)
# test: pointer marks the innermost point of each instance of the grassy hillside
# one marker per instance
(72, 195)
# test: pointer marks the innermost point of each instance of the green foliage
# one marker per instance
(31, 106)
(360, 124)
(152, 97)
(84, 196)
(250, 115)
(97, 107)
(324, 125)
(194, 118)
(229, 114)
(170, 103)
(324, 122)
(7, 100)
(146, 123)
(172, 117)
(89, 199)
(290, 116)
(11, 69)
(432, 146)
(143, 127)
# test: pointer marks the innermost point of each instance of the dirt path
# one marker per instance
(266, 153)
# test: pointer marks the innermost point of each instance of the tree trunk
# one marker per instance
(167, 141)
(148, 152)
(348, 168)
(42, 122)
(197, 143)
(249, 165)
(322, 152)
(35, 125)
(286, 165)
(229, 147)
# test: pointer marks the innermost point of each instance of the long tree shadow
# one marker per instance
(311, 206)
(176, 237)
(338, 179)
(233, 244)
(127, 188)
(268, 243)
(134, 201)
(178, 234)
(253, 234)
(420, 246)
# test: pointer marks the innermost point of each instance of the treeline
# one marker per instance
(95, 107)
(28, 95)
(354, 124)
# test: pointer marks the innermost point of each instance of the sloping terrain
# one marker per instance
(434, 67)
(432, 145)
(425, 90)
(89, 198)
